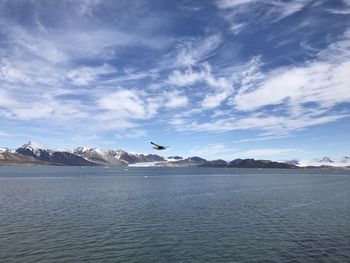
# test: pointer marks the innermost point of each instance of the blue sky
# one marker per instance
(218, 79)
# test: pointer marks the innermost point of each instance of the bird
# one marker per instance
(159, 147)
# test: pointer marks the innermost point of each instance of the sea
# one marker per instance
(135, 214)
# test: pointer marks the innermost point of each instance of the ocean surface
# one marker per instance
(109, 214)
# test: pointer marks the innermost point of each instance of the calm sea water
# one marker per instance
(96, 214)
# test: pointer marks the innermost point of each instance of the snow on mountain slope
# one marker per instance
(35, 150)
(115, 157)
(104, 157)
(55, 157)
(325, 161)
(6, 150)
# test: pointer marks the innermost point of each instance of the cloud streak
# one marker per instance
(220, 150)
(243, 13)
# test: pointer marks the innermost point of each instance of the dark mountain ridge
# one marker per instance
(53, 157)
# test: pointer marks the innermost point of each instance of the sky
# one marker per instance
(217, 79)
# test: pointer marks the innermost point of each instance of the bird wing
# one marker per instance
(155, 144)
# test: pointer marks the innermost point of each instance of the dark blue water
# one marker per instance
(77, 214)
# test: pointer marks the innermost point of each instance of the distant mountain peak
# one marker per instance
(325, 160)
(345, 159)
(4, 149)
(293, 161)
(196, 159)
(55, 157)
(33, 145)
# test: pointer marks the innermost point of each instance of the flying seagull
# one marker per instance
(159, 147)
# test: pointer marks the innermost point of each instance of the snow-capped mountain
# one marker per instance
(325, 160)
(85, 156)
(99, 156)
(346, 160)
(139, 157)
(6, 150)
(115, 157)
(35, 150)
(55, 157)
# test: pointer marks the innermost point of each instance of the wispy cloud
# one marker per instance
(176, 100)
(82, 76)
(58, 69)
(193, 51)
(220, 87)
(243, 13)
(287, 98)
(220, 150)
(267, 152)
(213, 151)
(344, 10)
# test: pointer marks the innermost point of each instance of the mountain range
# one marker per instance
(34, 154)
(322, 162)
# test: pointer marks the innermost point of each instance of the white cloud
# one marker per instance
(322, 83)
(193, 51)
(282, 100)
(188, 77)
(237, 27)
(28, 108)
(126, 108)
(41, 45)
(233, 3)
(6, 100)
(40, 79)
(124, 104)
(129, 74)
(339, 11)
(85, 75)
(222, 151)
(214, 100)
(249, 75)
(12, 74)
(86, 7)
(345, 10)
(289, 8)
(263, 153)
(271, 125)
(214, 151)
(243, 13)
(176, 100)
(231, 124)
(221, 86)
